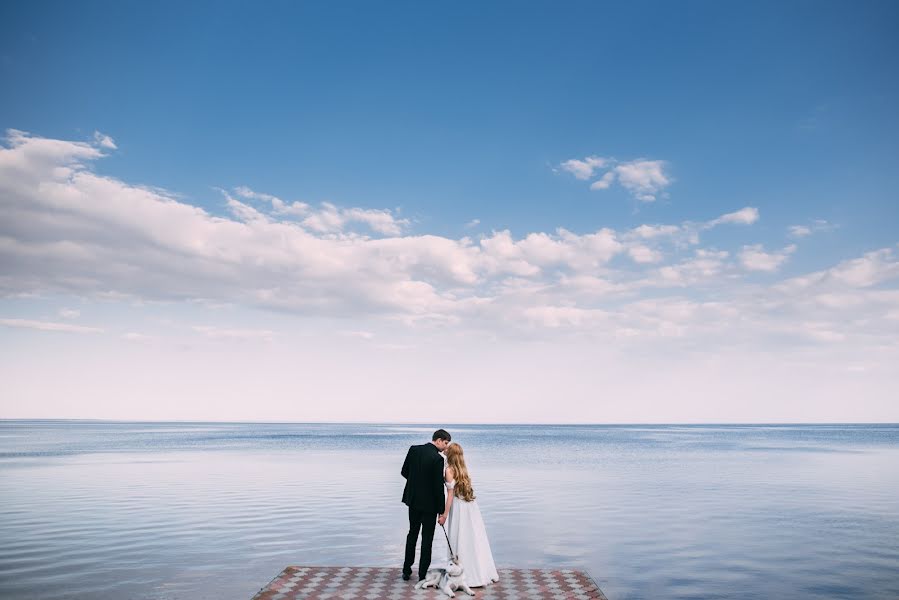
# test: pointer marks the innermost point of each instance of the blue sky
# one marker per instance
(455, 122)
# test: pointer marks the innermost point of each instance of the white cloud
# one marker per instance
(589, 286)
(244, 212)
(66, 231)
(296, 208)
(472, 223)
(49, 326)
(745, 216)
(871, 269)
(604, 182)
(69, 313)
(755, 258)
(34, 156)
(331, 219)
(279, 207)
(654, 231)
(584, 169)
(644, 179)
(650, 241)
(704, 265)
(500, 254)
(815, 226)
(644, 254)
(327, 219)
(527, 316)
(245, 192)
(104, 141)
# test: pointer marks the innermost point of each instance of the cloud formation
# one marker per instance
(279, 207)
(584, 169)
(66, 230)
(644, 179)
(328, 218)
(744, 216)
(818, 225)
(48, 326)
(755, 258)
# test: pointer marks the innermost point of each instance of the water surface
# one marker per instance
(209, 510)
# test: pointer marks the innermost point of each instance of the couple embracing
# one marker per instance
(430, 469)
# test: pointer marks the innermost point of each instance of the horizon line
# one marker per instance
(431, 424)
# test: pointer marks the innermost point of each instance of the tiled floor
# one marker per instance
(352, 583)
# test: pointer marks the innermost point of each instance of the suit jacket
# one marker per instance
(423, 470)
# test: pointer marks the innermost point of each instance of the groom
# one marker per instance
(423, 470)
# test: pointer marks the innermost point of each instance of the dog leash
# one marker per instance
(453, 554)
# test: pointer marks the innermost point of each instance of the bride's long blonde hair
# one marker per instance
(456, 459)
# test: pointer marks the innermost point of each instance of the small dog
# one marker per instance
(447, 580)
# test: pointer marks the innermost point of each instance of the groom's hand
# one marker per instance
(441, 518)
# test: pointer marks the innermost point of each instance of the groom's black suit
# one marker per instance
(423, 470)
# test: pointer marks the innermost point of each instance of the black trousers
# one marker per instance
(426, 522)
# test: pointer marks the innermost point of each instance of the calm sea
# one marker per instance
(208, 510)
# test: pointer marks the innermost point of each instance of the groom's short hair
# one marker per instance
(441, 434)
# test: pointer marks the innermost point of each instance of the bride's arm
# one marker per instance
(448, 477)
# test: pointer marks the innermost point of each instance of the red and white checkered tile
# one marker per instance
(357, 583)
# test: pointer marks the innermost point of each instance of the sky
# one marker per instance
(475, 212)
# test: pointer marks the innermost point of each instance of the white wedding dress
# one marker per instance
(468, 537)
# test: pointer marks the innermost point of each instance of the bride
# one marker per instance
(464, 524)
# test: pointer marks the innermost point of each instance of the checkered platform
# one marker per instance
(356, 583)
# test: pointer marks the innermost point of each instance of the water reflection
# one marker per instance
(112, 510)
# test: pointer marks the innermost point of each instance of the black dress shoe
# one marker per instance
(406, 576)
